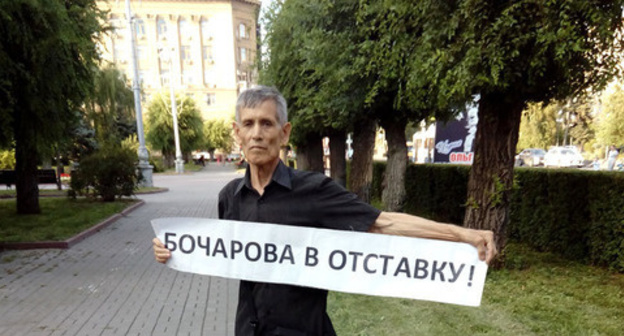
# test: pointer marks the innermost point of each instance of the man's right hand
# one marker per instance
(160, 251)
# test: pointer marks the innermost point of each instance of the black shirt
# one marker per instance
(297, 198)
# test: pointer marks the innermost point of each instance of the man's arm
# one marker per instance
(400, 224)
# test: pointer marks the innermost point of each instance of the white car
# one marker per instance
(197, 155)
(563, 157)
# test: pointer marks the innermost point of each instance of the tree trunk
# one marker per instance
(169, 160)
(393, 194)
(491, 175)
(337, 149)
(361, 175)
(26, 169)
(60, 169)
(310, 154)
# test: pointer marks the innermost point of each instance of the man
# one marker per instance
(273, 193)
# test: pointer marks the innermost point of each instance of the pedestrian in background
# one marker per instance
(611, 157)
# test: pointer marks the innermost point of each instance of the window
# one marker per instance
(207, 53)
(185, 53)
(141, 55)
(243, 54)
(164, 77)
(242, 31)
(187, 77)
(161, 28)
(185, 29)
(206, 32)
(211, 99)
(139, 28)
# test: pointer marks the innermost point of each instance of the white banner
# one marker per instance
(345, 261)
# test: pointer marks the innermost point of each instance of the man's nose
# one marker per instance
(256, 131)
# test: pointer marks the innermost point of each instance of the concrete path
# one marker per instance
(109, 284)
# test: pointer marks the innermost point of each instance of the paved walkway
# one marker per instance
(109, 284)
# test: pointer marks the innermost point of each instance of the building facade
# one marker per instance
(206, 49)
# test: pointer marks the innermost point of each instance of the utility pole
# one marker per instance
(144, 167)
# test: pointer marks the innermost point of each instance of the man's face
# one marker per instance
(260, 134)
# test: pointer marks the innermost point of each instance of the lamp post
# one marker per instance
(144, 167)
(166, 54)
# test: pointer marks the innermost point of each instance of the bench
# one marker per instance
(44, 176)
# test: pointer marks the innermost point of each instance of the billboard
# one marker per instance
(454, 139)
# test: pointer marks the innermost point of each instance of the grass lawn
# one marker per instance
(8, 193)
(188, 168)
(60, 218)
(540, 294)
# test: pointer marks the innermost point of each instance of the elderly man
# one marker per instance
(273, 193)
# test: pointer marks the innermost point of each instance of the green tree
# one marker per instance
(610, 123)
(313, 58)
(159, 126)
(217, 135)
(110, 109)
(538, 126)
(47, 60)
(510, 54)
(393, 48)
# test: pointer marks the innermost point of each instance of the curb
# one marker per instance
(75, 239)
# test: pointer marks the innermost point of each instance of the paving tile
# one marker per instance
(109, 284)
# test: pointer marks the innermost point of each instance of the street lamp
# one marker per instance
(144, 166)
(166, 54)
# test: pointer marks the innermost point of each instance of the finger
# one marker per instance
(491, 247)
(482, 251)
(157, 242)
(162, 255)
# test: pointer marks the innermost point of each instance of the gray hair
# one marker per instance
(252, 98)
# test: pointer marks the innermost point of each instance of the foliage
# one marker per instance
(159, 124)
(131, 143)
(538, 126)
(534, 50)
(48, 57)
(218, 135)
(7, 159)
(107, 173)
(314, 60)
(110, 108)
(610, 128)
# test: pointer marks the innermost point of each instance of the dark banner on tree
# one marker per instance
(454, 139)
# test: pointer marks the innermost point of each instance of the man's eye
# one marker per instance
(267, 124)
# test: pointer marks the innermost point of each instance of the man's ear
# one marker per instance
(286, 133)
(236, 130)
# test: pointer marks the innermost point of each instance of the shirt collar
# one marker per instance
(281, 176)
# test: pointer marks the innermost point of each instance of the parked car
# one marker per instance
(531, 157)
(563, 157)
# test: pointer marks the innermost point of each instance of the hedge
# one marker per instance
(576, 213)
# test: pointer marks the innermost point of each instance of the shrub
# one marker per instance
(7, 159)
(107, 173)
(574, 213)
